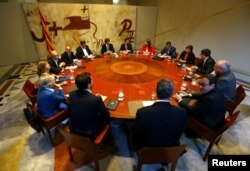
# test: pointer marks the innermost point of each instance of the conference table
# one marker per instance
(136, 75)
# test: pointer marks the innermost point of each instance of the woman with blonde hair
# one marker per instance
(42, 67)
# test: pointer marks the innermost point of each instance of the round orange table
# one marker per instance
(136, 75)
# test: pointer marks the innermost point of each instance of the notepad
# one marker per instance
(133, 106)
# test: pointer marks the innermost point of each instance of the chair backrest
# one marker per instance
(30, 91)
(79, 142)
(228, 122)
(239, 96)
(152, 155)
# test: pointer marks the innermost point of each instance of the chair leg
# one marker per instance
(208, 150)
(70, 153)
(138, 168)
(173, 166)
(217, 140)
(50, 137)
(97, 168)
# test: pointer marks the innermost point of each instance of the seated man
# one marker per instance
(169, 50)
(210, 109)
(83, 50)
(206, 66)
(50, 96)
(107, 47)
(126, 47)
(68, 56)
(188, 55)
(88, 112)
(160, 124)
(226, 81)
(147, 48)
(56, 65)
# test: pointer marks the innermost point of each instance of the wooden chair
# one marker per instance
(197, 60)
(151, 155)
(239, 96)
(83, 143)
(30, 91)
(51, 122)
(211, 135)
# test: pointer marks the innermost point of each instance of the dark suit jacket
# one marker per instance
(226, 83)
(68, 59)
(80, 54)
(171, 52)
(190, 58)
(104, 48)
(159, 125)
(129, 47)
(88, 113)
(54, 68)
(208, 67)
(209, 110)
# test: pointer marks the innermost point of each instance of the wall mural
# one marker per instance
(68, 24)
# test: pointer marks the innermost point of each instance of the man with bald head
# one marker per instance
(226, 81)
(55, 63)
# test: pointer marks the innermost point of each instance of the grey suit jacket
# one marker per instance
(226, 83)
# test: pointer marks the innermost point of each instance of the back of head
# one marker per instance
(224, 64)
(206, 52)
(41, 67)
(46, 79)
(83, 80)
(164, 89)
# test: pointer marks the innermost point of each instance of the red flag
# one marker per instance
(45, 32)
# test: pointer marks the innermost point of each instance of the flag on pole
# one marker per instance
(45, 32)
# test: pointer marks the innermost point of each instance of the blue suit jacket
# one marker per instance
(170, 52)
(159, 125)
(49, 103)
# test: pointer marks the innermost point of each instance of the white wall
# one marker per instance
(16, 42)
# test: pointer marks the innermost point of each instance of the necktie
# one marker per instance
(168, 51)
(126, 47)
(107, 47)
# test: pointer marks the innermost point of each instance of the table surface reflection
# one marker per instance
(135, 75)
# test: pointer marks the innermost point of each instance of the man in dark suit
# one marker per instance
(169, 50)
(126, 46)
(56, 64)
(210, 109)
(160, 124)
(68, 56)
(83, 50)
(206, 66)
(226, 81)
(107, 47)
(88, 112)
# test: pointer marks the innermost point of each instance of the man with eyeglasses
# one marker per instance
(210, 109)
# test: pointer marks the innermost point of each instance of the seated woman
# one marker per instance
(42, 67)
(126, 47)
(147, 48)
(187, 55)
(50, 96)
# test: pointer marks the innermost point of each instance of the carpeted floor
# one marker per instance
(22, 148)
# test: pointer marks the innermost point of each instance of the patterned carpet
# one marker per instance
(23, 149)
